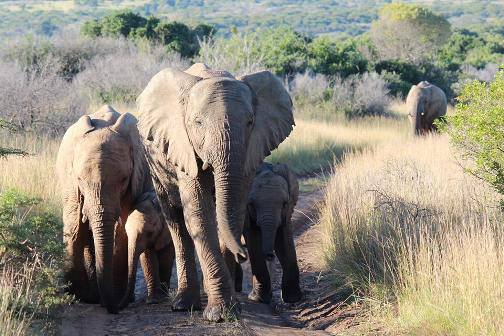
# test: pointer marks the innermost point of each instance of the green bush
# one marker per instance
(330, 57)
(477, 127)
(285, 51)
(174, 35)
(31, 246)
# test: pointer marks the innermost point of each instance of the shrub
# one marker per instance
(30, 243)
(176, 36)
(309, 88)
(477, 127)
(359, 96)
(285, 50)
(238, 53)
(38, 100)
(331, 58)
(121, 76)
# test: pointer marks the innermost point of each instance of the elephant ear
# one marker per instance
(161, 108)
(273, 117)
(292, 182)
(126, 125)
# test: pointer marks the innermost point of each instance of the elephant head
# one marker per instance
(109, 167)
(272, 198)
(204, 119)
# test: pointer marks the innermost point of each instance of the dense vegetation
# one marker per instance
(317, 17)
(335, 71)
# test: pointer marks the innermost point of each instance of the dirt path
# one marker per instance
(318, 311)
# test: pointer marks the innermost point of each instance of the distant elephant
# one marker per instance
(102, 171)
(268, 230)
(205, 130)
(149, 239)
(425, 103)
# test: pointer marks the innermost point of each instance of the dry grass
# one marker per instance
(15, 292)
(419, 239)
(315, 145)
(35, 173)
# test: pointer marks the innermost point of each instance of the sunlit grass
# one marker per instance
(418, 239)
(314, 146)
(34, 173)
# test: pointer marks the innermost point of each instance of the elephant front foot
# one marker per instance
(258, 295)
(158, 297)
(291, 295)
(218, 312)
(186, 300)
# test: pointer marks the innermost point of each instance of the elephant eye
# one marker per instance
(250, 122)
(198, 122)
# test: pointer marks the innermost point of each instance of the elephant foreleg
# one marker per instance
(79, 256)
(150, 267)
(188, 291)
(120, 261)
(261, 282)
(199, 215)
(166, 257)
(286, 253)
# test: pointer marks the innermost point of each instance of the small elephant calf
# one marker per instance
(268, 231)
(149, 239)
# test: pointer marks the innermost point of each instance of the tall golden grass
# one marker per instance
(405, 227)
(35, 173)
(315, 145)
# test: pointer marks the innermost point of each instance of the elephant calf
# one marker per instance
(425, 103)
(149, 240)
(268, 230)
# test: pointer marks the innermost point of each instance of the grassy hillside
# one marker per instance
(311, 16)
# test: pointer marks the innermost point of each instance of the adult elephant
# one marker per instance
(425, 103)
(102, 170)
(205, 130)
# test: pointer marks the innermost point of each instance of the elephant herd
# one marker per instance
(187, 179)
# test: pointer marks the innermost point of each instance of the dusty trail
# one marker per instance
(318, 311)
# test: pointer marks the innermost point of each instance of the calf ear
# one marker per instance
(291, 179)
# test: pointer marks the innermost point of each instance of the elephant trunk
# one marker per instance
(417, 113)
(133, 256)
(230, 204)
(102, 225)
(268, 224)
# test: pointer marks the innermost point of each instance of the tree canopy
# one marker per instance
(409, 32)
(176, 36)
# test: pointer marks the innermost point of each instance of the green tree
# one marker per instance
(331, 57)
(409, 32)
(477, 127)
(285, 50)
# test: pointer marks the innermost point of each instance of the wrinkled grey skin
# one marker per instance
(102, 170)
(205, 130)
(425, 103)
(149, 240)
(268, 231)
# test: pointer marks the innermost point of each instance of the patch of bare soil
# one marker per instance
(322, 310)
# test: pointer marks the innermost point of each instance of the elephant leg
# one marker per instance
(199, 215)
(78, 269)
(238, 277)
(286, 253)
(261, 282)
(120, 263)
(150, 267)
(166, 257)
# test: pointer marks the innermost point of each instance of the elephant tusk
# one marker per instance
(423, 113)
(205, 165)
